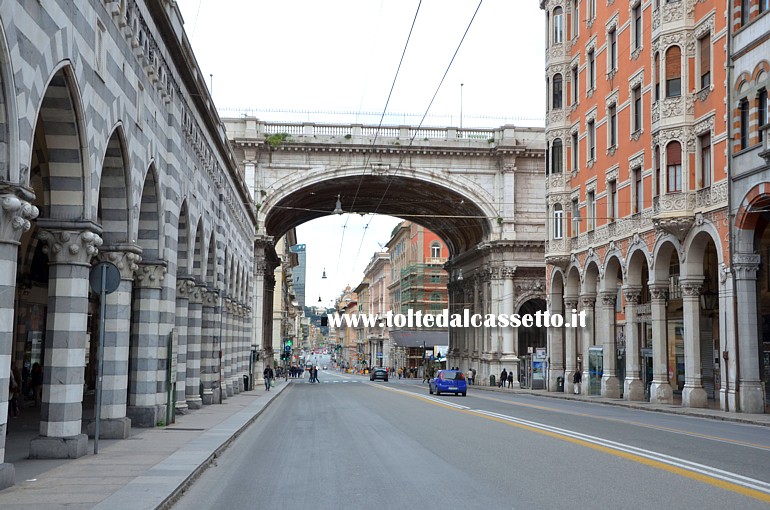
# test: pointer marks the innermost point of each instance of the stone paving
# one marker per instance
(146, 471)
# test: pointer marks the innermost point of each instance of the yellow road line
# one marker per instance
(710, 480)
(628, 422)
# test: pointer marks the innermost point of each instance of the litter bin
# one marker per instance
(560, 384)
(492, 380)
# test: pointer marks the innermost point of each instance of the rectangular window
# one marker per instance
(575, 218)
(591, 70)
(575, 18)
(575, 152)
(638, 190)
(704, 47)
(636, 95)
(612, 44)
(744, 107)
(612, 201)
(591, 205)
(704, 141)
(673, 72)
(764, 5)
(558, 26)
(574, 85)
(613, 126)
(674, 167)
(745, 9)
(558, 217)
(762, 111)
(591, 141)
(637, 15)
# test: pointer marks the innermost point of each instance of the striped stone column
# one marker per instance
(114, 423)
(244, 351)
(69, 262)
(210, 348)
(184, 286)
(146, 343)
(228, 346)
(193, 378)
(15, 215)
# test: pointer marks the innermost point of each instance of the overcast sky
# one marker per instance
(304, 59)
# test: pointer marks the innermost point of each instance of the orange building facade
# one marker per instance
(637, 201)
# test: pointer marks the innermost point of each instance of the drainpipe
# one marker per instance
(730, 215)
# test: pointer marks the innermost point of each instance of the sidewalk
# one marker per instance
(715, 414)
(146, 471)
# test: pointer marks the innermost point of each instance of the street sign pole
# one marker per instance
(100, 353)
(104, 279)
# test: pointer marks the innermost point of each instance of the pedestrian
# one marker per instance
(268, 377)
(470, 377)
(473, 371)
(400, 371)
(315, 374)
(36, 383)
(503, 378)
(13, 395)
(577, 378)
(510, 379)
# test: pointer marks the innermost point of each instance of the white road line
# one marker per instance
(659, 457)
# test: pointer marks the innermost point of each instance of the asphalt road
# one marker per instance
(350, 443)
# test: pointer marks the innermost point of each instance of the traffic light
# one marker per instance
(288, 342)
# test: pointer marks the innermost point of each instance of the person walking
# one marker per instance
(315, 374)
(268, 377)
(577, 378)
(13, 396)
(469, 376)
(503, 378)
(510, 379)
(36, 382)
(473, 371)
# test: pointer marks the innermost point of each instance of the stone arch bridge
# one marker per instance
(480, 190)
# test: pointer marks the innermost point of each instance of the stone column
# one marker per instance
(114, 424)
(633, 389)
(15, 216)
(229, 342)
(556, 345)
(244, 347)
(587, 304)
(184, 287)
(210, 348)
(610, 382)
(146, 342)
(693, 394)
(661, 391)
(570, 343)
(751, 391)
(258, 338)
(727, 344)
(69, 262)
(507, 274)
(193, 373)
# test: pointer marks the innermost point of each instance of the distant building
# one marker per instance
(418, 282)
(298, 272)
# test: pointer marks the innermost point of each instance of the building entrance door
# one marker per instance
(595, 370)
(647, 372)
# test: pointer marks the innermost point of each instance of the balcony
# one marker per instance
(674, 212)
(557, 252)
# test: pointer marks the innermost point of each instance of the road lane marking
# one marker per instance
(635, 423)
(733, 482)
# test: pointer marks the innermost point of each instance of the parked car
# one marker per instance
(449, 381)
(379, 373)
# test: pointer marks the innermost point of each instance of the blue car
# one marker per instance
(449, 381)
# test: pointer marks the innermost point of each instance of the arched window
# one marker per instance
(558, 217)
(558, 25)
(557, 91)
(656, 74)
(674, 167)
(744, 112)
(673, 72)
(435, 250)
(556, 155)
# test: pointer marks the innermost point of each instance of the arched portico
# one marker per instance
(592, 358)
(607, 328)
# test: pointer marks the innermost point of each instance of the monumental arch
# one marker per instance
(480, 190)
(110, 149)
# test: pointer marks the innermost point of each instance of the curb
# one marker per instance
(198, 471)
(677, 411)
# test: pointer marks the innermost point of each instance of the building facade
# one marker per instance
(377, 274)
(750, 187)
(639, 233)
(112, 151)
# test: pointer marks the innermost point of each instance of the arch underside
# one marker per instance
(460, 223)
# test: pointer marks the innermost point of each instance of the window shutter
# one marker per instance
(673, 154)
(705, 55)
(673, 63)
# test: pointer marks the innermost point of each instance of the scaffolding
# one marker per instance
(424, 288)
